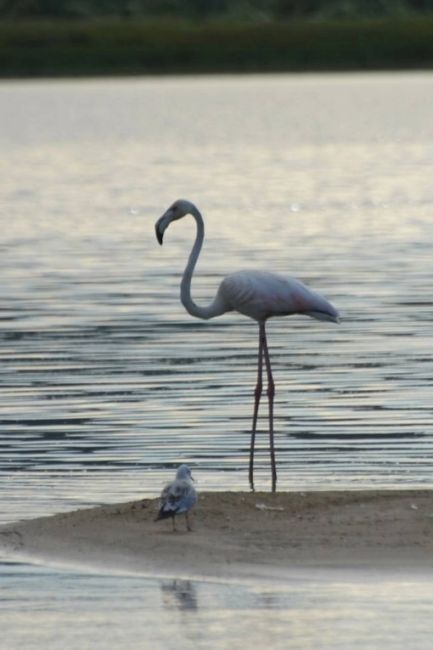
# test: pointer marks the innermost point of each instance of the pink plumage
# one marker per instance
(261, 295)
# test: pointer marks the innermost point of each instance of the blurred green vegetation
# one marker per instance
(122, 47)
(205, 9)
(94, 37)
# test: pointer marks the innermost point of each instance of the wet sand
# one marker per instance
(239, 535)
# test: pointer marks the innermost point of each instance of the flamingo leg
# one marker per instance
(271, 393)
(257, 395)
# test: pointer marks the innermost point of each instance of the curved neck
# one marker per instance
(215, 308)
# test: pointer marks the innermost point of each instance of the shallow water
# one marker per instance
(53, 609)
(107, 383)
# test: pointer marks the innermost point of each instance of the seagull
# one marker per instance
(178, 497)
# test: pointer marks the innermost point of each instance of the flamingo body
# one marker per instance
(257, 294)
(261, 295)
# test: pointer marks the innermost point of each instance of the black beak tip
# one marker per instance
(159, 236)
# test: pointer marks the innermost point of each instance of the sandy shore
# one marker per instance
(239, 535)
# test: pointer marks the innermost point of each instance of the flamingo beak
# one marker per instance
(162, 224)
(159, 233)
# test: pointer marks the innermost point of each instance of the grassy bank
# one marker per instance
(123, 47)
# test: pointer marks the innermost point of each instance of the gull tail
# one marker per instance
(165, 513)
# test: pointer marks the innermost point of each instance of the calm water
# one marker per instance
(52, 610)
(106, 381)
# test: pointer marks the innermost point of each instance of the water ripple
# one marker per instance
(107, 383)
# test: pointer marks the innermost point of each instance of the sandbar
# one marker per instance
(239, 535)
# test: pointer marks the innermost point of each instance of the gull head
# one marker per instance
(184, 473)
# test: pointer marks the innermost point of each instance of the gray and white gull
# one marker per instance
(178, 497)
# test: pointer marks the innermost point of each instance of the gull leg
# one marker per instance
(271, 393)
(257, 395)
(173, 524)
(188, 525)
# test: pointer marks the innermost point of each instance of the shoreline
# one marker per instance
(238, 535)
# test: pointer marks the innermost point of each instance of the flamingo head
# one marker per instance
(177, 210)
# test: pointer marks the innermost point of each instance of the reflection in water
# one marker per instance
(179, 594)
(106, 382)
(310, 611)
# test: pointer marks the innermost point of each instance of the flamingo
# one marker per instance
(257, 294)
(178, 497)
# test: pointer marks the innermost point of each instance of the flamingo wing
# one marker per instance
(261, 295)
